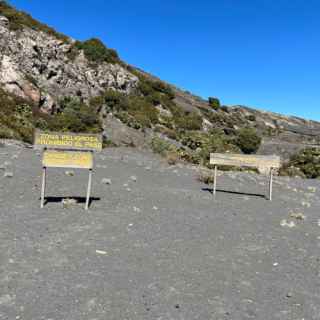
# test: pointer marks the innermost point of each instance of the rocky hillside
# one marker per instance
(53, 82)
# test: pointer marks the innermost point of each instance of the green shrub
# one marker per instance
(162, 87)
(96, 52)
(203, 143)
(96, 103)
(305, 163)
(75, 116)
(16, 117)
(160, 146)
(135, 111)
(19, 19)
(214, 103)
(248, 140)
(115, 100)
(190, 121)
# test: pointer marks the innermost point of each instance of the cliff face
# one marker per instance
(37, 66)
(43, 68)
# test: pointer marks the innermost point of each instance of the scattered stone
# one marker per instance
(312, 189)
(148, 168)
(7, 164)
(298, 216)
(133, 178)
(14, 157)
(155, 208)
(8, 174)
(306, 204)
(275, 264)
(106, 181)
(69, 173)
(101, 252)
(289, 295)
(285, 223)
(68, 202)
(135, 209)
(128, 189)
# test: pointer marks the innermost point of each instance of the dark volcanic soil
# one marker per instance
(159, 247)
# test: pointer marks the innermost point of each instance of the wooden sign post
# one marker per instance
(266, 164)
(67, 150)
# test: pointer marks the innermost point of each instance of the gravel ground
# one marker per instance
(154, 244)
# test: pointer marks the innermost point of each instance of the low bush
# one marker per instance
(16, 117)
(160, 146)
(132, 107)
(248, 140)
(202, 144)
(305, 163)
(188, 121)
(96, 52)
(74, 116)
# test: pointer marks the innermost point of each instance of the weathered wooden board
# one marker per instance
(265, 164)
(68, 141)
(67, 159)
(242, 160)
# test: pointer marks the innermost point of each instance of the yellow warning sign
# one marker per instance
(70, 141)
(67, 159)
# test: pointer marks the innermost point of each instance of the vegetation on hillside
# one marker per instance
(305, 163)
(19, 117)
(19, 19)
(95, 51)
(16, 117)
(248, 140)
(74, 116)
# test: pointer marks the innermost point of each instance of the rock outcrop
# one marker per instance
(37, 66)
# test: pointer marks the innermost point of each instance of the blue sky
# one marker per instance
(260, 53)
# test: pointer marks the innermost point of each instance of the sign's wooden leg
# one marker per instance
(215, 181)
(89, 190)
(43, 186)
(270, 184)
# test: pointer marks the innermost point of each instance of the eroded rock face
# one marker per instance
(36, 66)
(15, 81)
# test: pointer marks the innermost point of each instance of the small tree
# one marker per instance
(248, 140)
(214, 103)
